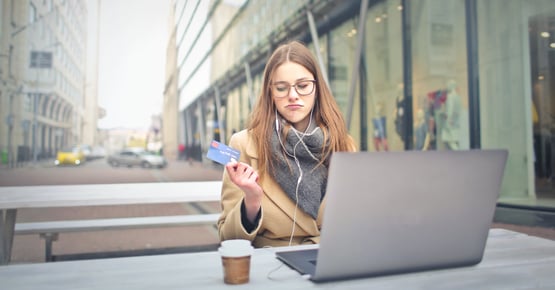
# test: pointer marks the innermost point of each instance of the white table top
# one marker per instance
(16, 197)
(512, 260)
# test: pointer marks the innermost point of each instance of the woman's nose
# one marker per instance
(293, 93)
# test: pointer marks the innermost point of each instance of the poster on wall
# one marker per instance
(441, 49)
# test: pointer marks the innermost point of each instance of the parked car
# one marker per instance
(136, 157)
(86, 150)
(71, 156)
(98, 152)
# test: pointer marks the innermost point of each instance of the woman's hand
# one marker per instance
(246, 178)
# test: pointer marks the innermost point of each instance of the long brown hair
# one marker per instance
(326, 112)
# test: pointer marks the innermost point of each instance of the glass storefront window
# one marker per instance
(440, 98)
(322, 45)
(245, 105)
(341, 57)
(232, 113)
(516, 66)
(542, 75)
(383, 67)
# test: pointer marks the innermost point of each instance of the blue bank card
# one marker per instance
(222, 153)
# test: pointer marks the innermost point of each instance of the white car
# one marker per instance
(137, 157)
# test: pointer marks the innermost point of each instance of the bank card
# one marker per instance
(222, 153)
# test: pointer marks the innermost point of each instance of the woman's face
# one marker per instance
(293, 91)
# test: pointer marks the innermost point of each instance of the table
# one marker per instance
(18, 197)
(512, 260)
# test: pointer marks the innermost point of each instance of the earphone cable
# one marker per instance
(294, 155)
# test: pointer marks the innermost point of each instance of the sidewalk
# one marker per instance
(30, 249)
(47, 162)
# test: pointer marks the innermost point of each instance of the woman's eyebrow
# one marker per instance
(297, 80)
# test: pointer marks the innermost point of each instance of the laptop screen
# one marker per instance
(395, 212)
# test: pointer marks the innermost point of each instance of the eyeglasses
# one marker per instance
(303, 88)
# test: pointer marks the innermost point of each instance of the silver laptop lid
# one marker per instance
(395, 212)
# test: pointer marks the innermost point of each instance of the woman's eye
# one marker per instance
(281, 88)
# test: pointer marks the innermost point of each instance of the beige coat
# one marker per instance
(277, 213)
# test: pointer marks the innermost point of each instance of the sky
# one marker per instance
(131, 60)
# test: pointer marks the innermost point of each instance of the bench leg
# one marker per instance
(7, 225)
(48, 239)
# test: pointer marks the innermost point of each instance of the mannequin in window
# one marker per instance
(436, 117)
(421, 132)
(399, 113)
(380, 137)
(450, 134)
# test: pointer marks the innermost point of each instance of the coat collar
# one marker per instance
(281, 198)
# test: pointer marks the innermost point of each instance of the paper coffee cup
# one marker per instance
(236, 257)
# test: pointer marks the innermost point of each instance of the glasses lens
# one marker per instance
(281, 89)
(304, 87)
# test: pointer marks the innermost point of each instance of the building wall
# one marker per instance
(509, 66)
(170, 133)
(91, 112)
(50, 100)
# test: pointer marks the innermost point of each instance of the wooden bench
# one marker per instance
(50, 230)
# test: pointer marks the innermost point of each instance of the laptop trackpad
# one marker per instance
(303, 261)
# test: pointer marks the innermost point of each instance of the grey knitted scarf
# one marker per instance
(293, 152)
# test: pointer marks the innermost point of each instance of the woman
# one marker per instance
(275, 194)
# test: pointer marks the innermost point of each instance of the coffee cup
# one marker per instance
(236, 258)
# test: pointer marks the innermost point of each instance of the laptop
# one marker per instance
(398, 212)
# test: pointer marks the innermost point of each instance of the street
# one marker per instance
(98, 171)
(30, 248)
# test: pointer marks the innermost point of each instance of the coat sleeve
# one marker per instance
(229, 223)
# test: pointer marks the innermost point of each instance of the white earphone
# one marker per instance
(298, 166)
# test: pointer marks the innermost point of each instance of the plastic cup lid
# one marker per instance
(235, 252)
(236, 243)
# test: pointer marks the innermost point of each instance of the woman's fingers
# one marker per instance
(241, 174)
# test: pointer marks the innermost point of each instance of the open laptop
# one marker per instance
(397, 212)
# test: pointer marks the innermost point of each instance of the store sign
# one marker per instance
(41, 59)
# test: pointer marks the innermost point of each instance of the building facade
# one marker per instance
(43, 77)
(408, 75)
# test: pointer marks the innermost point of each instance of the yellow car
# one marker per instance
(70, 156)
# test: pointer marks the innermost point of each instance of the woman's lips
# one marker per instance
(294, 107)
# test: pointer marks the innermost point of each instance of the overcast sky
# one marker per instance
(132, 55)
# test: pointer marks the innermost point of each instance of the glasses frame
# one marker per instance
(295, 87)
